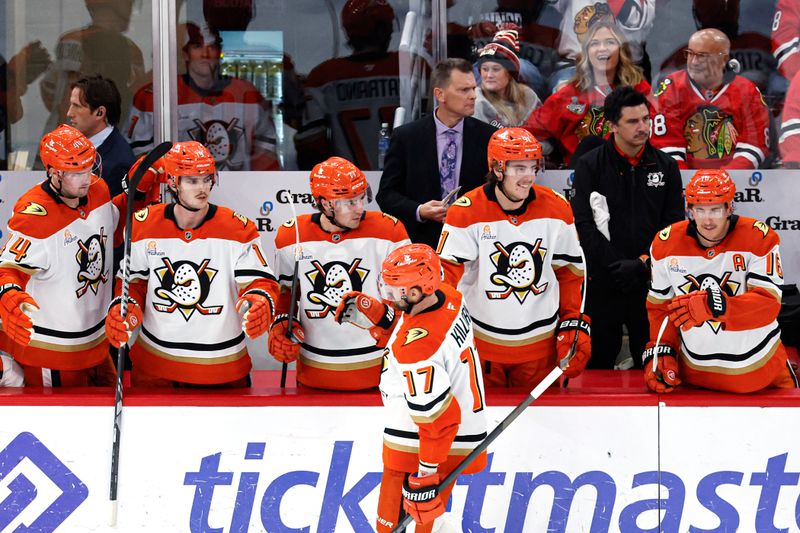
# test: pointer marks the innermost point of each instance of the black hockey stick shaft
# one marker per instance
(148, 161)
(480, 448)
(290, 327)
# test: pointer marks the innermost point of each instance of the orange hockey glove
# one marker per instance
(421, 498)
(256, 307)
(366, 312)
(281, 346)
(665, 378)
(118, 329)
(695, 308)
(148, 185)
(565, 336)
(15, 304)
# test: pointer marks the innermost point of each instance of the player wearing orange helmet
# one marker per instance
(199, 283)
(339, 249)
(716, 279)
(511, 248)
(55, 267)
(431, 383)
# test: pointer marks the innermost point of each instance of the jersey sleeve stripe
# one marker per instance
(734, 357)
(478, 437)
(430, 405)
(783, 52)
(432, 415)
(250, 273)
(755, 150)
(765, 279)
(662, 292)
(789, 128)
(567, 258)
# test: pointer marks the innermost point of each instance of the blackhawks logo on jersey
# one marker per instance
(221, 138)
(330, 282)
(709, 281)
(519, 270)
(710, 133)
(91, 258)
(593, 123)
(185, 287)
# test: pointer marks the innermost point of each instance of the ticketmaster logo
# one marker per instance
(22, 491)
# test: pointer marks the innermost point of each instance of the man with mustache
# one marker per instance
(625, 191)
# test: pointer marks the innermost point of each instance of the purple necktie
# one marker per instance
(447, 167)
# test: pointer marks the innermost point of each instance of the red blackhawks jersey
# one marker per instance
(187, 283)
(232, 120)
(432, 387)
(335, 356)
(789, 141)
(700, 129)
(786, 37)
(519, 271)
(744, 353)
(568, 116)
(62, 257)
(352, 96)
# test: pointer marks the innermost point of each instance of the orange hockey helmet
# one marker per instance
(513, 144)
(67, 149)
(360, 18)
(189, 158)
(710, 186)
(412, 265)
(337, 178)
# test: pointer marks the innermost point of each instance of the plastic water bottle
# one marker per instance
(383, 144)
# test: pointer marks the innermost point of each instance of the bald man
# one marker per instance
(706, 115)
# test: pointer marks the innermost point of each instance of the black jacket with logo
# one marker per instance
(642, 200)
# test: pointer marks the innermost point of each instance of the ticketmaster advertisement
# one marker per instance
(317, 469)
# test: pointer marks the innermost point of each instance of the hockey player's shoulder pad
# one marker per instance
(234, 225)
(290, 223)
(760, 238)
(141, 214)
(416, 343)
(391, 218)
(552, 204)
(670, 240)
(35, 215)
(241, 218)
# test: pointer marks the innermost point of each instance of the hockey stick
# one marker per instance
(658, 342)
(564, 362)
(293, 302)
(154, 155)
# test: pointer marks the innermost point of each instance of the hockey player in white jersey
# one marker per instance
(431, 383)
(511, 248)
(199, 284)
(342, 247)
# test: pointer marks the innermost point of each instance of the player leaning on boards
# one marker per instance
(342, 249)
(55, 268)
(431, 384)
(196, 268)
(717, 276)
(511, 248)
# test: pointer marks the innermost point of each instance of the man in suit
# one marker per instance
(433, 155)
(94, 110)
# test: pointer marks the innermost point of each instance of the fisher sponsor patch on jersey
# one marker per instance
(91, 258)
(330, 282)
(185, 287)
(519, 269)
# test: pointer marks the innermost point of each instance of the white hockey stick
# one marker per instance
(564, 362)
(658, 342)
(293, 302)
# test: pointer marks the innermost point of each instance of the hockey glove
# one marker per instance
(421, 498)
(629, 275)
(566, 332)
(147, 188)
(281, 346)
(695, 308)
(366, 312)
(118, 329)
(256, 310)
(665, 377)
(15, 306)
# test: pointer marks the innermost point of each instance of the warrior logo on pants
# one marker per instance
(706, 282)
(91, 259)
(330, 282)
(519, 270)
(185, 286)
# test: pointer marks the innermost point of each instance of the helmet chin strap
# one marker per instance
(60, 189)
(332, 219)
(500, 186)
(714, 241)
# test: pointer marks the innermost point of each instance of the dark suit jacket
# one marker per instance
(411, 172)
(117, 158)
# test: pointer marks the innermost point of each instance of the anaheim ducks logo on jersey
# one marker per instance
(519, 269)
(221, 138)
(710, 133)
(185, 287)
(91, 258)
(330, 282)
(709, 281)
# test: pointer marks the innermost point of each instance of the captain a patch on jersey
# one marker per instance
(91, 258)
(185, 287)
(330, 282)
(519, 270)
(705, 282)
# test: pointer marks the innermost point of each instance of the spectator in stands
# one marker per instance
(94, 110)
(625, 192)
(430, 157)
(227, 115)
(789, 141)
(708, 116)
(501, 100)
(575, 111)
(786, 37)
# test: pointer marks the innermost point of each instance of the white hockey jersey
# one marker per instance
(62, 257)
(187, 283)
(335, 356)
(10, 372)
(432, 387)
(743, 352)
(522, 270)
